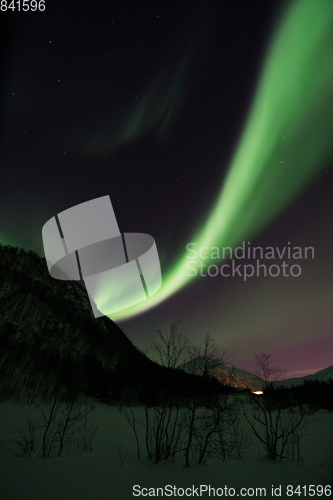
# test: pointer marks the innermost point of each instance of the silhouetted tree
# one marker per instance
(170, 347)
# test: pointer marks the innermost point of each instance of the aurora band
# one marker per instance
(285, 143)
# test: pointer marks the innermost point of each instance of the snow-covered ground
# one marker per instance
(103, 475)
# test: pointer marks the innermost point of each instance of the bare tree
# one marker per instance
(187, 427)
(218, 432)
(265, 370)
(170, 347)
(276, 427)
(65, 425)
(129, 414)
(165, 429)
(194, 425)
(207, 356)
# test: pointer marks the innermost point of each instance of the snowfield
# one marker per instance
(112, 469)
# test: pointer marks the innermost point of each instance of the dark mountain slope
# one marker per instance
(48, 334)
(50, 341)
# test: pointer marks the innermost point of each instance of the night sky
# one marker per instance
(148, 102)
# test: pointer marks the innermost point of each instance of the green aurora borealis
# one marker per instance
(286, 141)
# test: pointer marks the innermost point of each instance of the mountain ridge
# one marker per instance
(243, 379)
(324, 375)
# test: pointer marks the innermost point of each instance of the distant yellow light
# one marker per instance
(258, 393)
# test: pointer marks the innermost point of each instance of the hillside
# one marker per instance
(49, 336)
(235, 377)
(50, 341)
(324, 375)
(242, 379)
